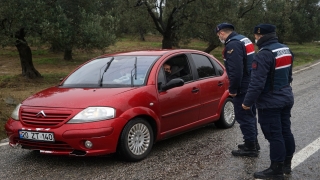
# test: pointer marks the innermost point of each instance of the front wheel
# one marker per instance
(227, 117)
(136, 140)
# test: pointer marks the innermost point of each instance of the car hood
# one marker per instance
(73, 97)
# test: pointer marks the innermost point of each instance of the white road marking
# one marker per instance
(310, 149)
(305, 153)
(3, 144)
(305, 68)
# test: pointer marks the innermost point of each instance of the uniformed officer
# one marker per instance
(270, 90)
(238, 55)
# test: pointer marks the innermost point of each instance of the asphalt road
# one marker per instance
(204, 153)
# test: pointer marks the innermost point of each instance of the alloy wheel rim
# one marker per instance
(139, 139)
(229, 112)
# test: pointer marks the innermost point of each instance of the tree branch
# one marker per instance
(157, 21)
(250, 8)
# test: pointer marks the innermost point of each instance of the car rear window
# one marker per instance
(204, 66)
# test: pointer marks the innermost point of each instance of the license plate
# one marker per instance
(37, 136)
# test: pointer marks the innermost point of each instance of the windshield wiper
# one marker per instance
(105, 70)
(135, 72)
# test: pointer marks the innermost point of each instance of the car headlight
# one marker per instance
(15, 113)
(92, 114)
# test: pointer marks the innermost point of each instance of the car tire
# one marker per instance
(136, 140)
(227, 117)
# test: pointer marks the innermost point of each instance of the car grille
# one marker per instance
(36, 145)
(44, 118)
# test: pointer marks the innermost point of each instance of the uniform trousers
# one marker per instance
(246, 118)
(276, 126)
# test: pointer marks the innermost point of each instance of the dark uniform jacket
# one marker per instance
(267, 89)
(234, 53)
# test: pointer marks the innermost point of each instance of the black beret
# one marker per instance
(224, 26)
(264, 29)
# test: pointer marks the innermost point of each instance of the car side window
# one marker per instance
(218, 67)
(161, 78)
(179, 67)
(203, 65)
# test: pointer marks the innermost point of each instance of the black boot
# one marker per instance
(249, 149)
(241, 146)
(275, 171)
(287, 165)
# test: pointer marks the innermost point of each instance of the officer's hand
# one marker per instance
(245, 107)
(232, 95)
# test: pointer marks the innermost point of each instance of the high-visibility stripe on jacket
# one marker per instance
(249, 50)
(280, 72)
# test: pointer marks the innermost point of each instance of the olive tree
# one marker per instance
(20, 19)
(168, 18)
(296, 20)
(79, 24)
(208, 14)
(68, 24)
(305, 19)
(133, 21)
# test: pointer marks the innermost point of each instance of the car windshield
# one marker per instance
(118, 71)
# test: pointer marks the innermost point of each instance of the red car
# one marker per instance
(124, 103)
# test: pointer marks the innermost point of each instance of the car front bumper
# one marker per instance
(70, 138)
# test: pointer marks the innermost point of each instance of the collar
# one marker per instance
(267, 39)
(230, 36)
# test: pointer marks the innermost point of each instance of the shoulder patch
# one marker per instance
(229, 52)
(254, 65)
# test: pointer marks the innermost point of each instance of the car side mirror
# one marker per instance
(173, 83)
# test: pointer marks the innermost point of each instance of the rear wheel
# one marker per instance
(136, 140)
(227, 117)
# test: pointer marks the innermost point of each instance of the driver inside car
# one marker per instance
(169, 74)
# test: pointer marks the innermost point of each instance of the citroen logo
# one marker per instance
(41, 114)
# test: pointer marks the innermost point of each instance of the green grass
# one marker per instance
(6, 52)
(46, 60)
(305, 53)
(54, 78)
(40, 52)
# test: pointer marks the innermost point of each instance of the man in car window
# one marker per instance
(237, 55)
(167, 69)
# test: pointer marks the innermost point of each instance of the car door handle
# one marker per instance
(194, 90)
(220, 83)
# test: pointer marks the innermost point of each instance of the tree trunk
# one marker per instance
(56, 47)
(25, 55)
(141, 32)
(67, 54)
(210, 48)
(167, 41)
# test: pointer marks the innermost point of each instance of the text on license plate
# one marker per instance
(34, 135)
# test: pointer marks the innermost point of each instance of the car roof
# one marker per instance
(158, 52)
